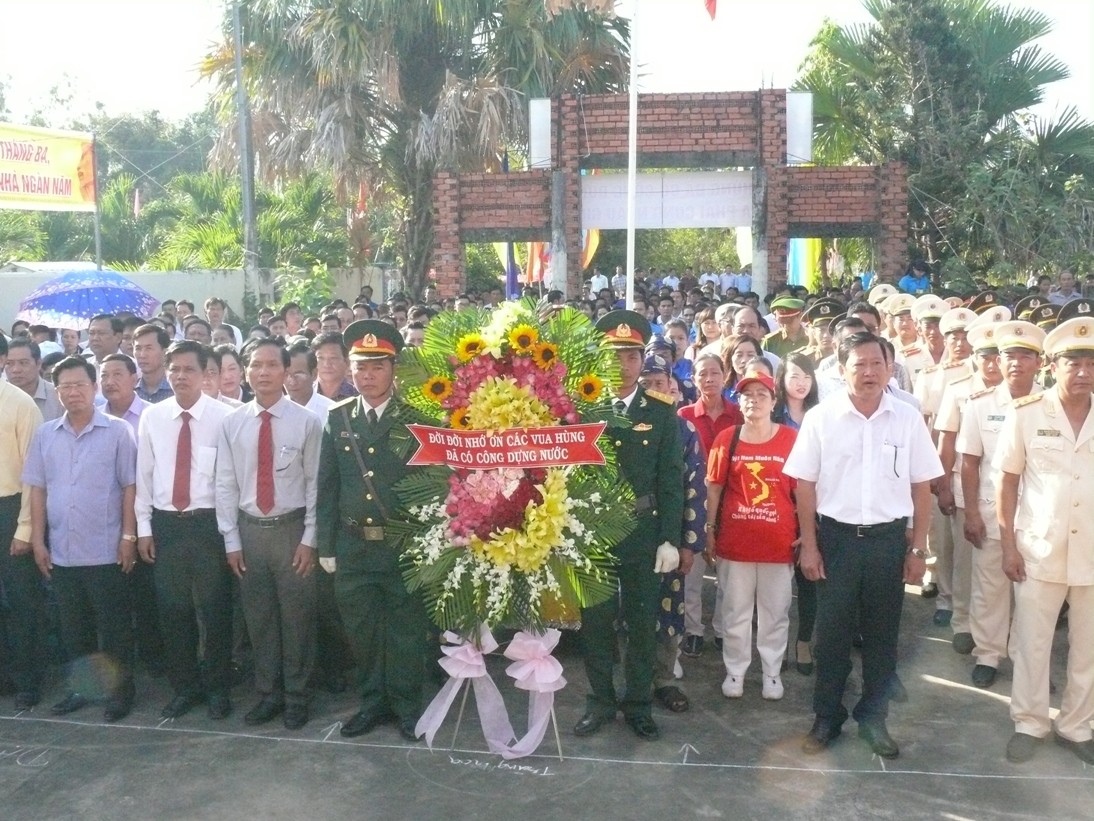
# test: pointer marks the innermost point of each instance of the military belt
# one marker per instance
(645, 503)
(370, 533)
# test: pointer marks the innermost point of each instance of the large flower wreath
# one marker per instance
(493, 545)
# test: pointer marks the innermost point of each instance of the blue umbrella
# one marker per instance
(70, 300)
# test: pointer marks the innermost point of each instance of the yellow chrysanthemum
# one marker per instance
(469, 347)
(545, 354)
(523, 338)
(529, 549)
(457, 420)
(500, 403)
(437, 388)
(590, 387)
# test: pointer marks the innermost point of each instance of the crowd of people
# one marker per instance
(191, 496)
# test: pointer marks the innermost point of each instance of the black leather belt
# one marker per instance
(186, 514)
(865, 531)
(370, 533)
(272, 521)
(645, 503)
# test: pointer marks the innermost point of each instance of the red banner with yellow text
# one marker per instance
(514, 448)
(44, 169)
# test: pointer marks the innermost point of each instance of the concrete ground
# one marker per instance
(737, 759)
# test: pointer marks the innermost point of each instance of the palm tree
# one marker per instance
(385, 92)
(21, 236)
(943, 85)
(299, 226)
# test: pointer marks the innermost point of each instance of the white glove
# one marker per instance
(328, 563)
(668, 559)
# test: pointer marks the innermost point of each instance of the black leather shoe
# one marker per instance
(929, 590)
(1022, 747)
(406, 729)
(120, 704)
(644, 727)
(591, 723)
(877, 736)
(364, 722)
(820, 735)
(220, 706)
(266, 710)
(296, 716)
(692, 646)
(69, 704)
(942, 618)
(1083, 749)
(718, 643)
(26, 699)
(181, 704)
(983, 676)
(963, 643)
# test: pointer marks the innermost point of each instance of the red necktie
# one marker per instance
(180, 492)
(265, 488)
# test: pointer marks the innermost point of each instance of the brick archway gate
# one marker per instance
(699, 131)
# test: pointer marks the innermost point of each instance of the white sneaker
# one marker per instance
(773, 688)
(733, 687)
(678, 670)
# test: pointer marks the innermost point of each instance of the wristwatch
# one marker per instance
(128, 537)
(919, 554)
(709, 527)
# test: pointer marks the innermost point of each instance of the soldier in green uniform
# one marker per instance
(365, 450)
(650, 458)
(791, 335)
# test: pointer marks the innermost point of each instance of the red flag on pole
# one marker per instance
(712, 6)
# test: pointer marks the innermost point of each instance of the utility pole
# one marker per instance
(246, 169)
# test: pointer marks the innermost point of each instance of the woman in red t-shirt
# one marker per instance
(754, 535)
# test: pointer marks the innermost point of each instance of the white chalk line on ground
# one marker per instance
(884, 770)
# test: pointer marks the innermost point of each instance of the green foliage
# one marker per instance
(386, 92)
(482, 267)
(310, 289)
(943, 85)
(704, 249)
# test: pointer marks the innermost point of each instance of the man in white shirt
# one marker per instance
(864, 462)
(177, 531)
(267, 464)
(597, 282)
(300, 379)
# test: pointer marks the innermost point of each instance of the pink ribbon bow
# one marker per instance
(535, 670)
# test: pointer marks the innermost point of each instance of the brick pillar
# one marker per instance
(778, 205)
(567, 159)
(448, 260)
(772, 140)
(892, 241)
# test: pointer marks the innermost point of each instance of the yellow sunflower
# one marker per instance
(457, 420)
(469, 347)
(523, 338)
(437, 388)
(589, 387)
(545, 354)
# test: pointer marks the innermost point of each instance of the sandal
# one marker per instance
(672, 698)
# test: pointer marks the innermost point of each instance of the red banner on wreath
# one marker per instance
(514, 448)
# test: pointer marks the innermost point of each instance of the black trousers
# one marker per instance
(864, 577)
(639, 588)
(146, 617)
(192, 579)
(94, 607)
(807, 605)
(23, 610)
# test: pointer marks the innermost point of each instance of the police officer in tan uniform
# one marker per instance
(1020, 344)
(981, 338)
(1047, 447)
(929, 387)
(926, 313)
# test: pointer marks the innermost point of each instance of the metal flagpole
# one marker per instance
(98, 213)
(632, 155)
